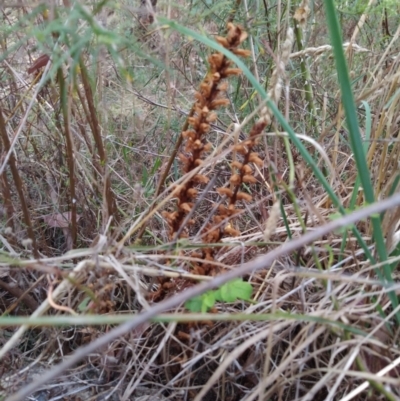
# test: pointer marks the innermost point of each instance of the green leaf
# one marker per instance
(201, 303)
(357, 143)
(244, 290)
(84, 304)
(229, 292)
(235, 289)
(194, 304)
(208, 301)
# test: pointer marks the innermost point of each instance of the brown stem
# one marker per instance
(70, 153)
(164, 175)
(18, 183)
(109, 197)
(96, 166)
(5, 189)
(173, 154)
(21, 295)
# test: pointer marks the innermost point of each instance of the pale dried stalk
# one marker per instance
(316, 51)
(272, 221)
(275, 89)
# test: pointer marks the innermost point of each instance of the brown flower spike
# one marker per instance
(210, 96)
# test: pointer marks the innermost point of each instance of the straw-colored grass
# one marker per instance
(152, 151)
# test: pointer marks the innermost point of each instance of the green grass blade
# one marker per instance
(355, 137)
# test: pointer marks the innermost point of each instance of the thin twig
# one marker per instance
(18, 183)
(21, 295)
(167, 169)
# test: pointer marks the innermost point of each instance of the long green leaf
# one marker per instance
(95, 320)
(355, 138)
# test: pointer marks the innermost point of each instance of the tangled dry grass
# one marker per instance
(118, 195)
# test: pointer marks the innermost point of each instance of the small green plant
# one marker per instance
(229, 292)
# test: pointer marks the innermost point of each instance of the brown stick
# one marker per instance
(7, 201)
(164, 176)
(18, 183)
(70, 154)
(95, 126)
(21, 295)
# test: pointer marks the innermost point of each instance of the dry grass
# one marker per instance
(88, 187)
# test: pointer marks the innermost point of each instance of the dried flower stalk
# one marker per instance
(242, 172)
(275, 90)
(210, 97)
